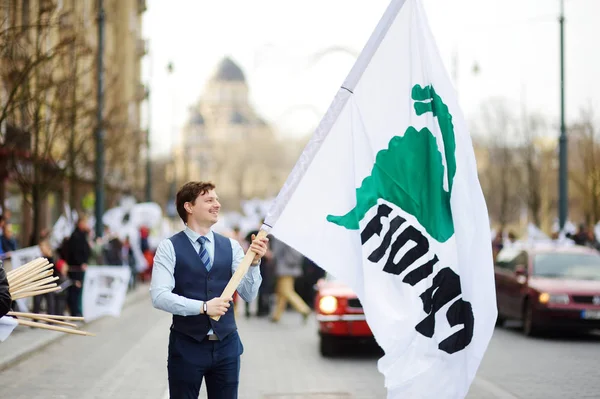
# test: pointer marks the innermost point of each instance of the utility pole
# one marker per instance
(563, 191)
(99, 203)
(171, 205)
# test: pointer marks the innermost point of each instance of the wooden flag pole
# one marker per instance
(241, 271)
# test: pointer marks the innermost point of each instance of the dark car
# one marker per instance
(340, 316)
(549, 287)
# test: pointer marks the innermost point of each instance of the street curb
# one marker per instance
(53, 336)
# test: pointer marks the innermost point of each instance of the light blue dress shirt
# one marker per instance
(163, 278)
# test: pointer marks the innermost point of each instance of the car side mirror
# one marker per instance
(521, 270)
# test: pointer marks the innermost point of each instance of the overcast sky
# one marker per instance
(280, 45)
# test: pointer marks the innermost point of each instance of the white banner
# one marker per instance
(17, 259)
(22, 256)
(104, 290)
(7, 325)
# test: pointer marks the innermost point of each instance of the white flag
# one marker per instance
(386, 198)
(19, 258)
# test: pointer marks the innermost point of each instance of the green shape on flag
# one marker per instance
(410, 173)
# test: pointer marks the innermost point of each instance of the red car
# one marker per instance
(549, 287)
(340, 316)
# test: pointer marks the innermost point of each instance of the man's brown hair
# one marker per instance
(188, 193)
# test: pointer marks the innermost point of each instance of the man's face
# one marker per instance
(205, 210)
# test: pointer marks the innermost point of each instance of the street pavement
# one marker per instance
(127, 359)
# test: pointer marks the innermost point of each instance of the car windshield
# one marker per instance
(567, 266)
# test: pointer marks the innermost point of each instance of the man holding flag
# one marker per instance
(190, 269)
(401, 217)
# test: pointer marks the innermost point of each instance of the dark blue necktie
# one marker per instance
(204, 256)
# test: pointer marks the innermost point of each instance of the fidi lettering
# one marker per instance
(411, 174)
(446, 283)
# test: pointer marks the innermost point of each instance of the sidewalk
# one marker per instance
(25, 341)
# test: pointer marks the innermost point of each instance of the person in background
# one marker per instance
(2, 223)
(305, 285)
(78, 255)
(8, 241)
(288, 266)
(267, 270)
(5, 298)
(497, 244)
(49, 298)
(581, 237)
(128, 259)
(146, 275)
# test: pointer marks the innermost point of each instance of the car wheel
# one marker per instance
(328, 346)
(529, 327)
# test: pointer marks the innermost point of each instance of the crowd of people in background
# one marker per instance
(289, 279)
(71, 258)
(584, 236)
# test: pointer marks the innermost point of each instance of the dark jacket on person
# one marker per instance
(78, 249)
(5, 299)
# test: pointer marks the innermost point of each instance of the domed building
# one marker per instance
(224, 137)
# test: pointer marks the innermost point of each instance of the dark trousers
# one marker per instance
(74, 294)
(217, 362)
(50, 300)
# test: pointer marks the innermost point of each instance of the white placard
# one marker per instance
(104, 290)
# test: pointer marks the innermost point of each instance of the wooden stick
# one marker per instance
(48, 319)
(15, 272)
(31, 271)
(22, 271)
(54, 328)
(19, 286)
(50, 316)
(33, 274)
(241, 271)
(34, 293)
(34, 285)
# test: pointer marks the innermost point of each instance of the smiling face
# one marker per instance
(198, 204)
(204, 211)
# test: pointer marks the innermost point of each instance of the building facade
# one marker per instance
(48, 103)
(227, 142)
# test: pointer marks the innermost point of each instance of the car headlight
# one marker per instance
(559, 299)
(328, 304)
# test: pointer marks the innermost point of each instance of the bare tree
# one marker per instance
(585, 164)
(533, 163)
(36, 68)
(497, 129)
